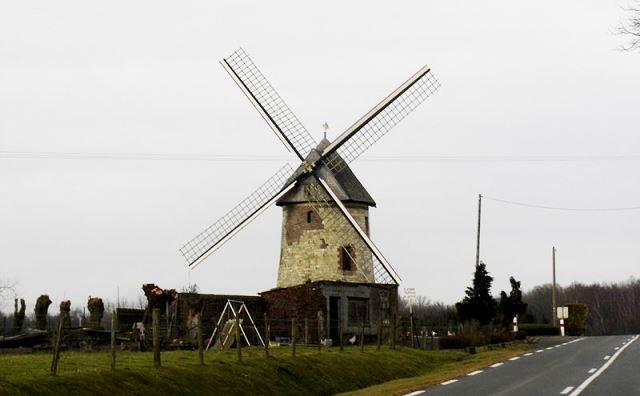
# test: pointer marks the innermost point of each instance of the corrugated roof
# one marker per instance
(345, 184)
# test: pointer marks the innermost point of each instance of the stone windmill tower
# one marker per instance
(328, 264)
(325, 234)
(310, 249)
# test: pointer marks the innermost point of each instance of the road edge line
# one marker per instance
(601, 370)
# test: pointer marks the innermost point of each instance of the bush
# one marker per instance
(539, 329)
(454, 342)
(520, 335)
(500, 338)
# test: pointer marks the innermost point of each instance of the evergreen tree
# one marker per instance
(478, 303)
(511, 305)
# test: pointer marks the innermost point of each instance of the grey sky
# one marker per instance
(519, 79)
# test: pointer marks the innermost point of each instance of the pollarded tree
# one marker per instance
(478, 304)
(511, 305)
(41, 309)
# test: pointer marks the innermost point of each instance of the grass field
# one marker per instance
(327, 373)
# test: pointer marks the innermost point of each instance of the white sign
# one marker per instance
(410, 293)
(562, 312)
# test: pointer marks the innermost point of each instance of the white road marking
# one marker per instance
(616, 348)
(601, 370)
(607, 357)
(593, 370)
(549, 348)
(515, 358)
(475, 372)
(540, 350)
(528, 354)
(565, 343)
(566, 390)
(449, 382)
(415, 393)
(496, 365)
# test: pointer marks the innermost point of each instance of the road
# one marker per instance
(582, 366)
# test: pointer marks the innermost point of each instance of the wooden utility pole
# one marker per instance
(553, 290)
(113, 339)
(478, 235)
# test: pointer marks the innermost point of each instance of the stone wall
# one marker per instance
(311, 251)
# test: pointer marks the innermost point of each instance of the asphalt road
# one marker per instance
(583, 366)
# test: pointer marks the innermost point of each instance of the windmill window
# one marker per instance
(346, 258)
(309, 216)
(366, 224)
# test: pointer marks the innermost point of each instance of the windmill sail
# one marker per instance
(380, 119)
(228, 225)
(269, 103)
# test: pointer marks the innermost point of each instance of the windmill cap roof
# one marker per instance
(345, 184)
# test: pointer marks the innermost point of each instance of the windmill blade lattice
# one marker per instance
(370, 132)
(216, 234)
(270, 104)
(334, 220)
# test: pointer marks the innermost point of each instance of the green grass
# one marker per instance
(327, 373)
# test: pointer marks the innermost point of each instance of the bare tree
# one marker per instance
(631, 27)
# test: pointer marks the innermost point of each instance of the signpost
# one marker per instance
(410, 294)
(563, 313)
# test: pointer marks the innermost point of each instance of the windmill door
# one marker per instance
(334, 318)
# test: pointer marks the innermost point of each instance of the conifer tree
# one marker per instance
(478, 304)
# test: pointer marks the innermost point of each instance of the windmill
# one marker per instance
(320, 165)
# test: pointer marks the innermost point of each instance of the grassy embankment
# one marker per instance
(327, 373)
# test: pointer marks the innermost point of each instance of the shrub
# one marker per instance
(539, 329)
(454, 342)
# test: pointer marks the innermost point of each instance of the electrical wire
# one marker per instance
(561, 208)
(267, 158)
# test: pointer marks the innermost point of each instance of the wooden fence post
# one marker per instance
(380, 327)
(293, 337)
(362, 335)
(424, 338)
(238, 340)
(267, 335)
(319, 331)
(155, 333)
(113, 339)
(56, 345)
(306, 331)
(340, 335)
(392, 331)
(200, 340)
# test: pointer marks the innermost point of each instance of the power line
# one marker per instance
(561, 208)
(267, 158)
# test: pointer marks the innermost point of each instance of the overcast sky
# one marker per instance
(523, 80)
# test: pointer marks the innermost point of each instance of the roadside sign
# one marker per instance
(562, 312)
(410, 294)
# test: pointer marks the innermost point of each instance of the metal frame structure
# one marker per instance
(242, 307)
(347, 147)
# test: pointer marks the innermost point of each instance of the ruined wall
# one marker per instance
(310, 251)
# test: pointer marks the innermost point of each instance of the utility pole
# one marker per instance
(478, 241)
(553, 290)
